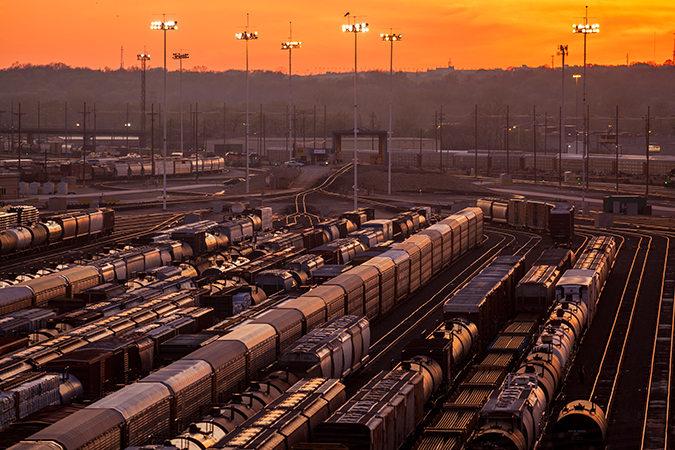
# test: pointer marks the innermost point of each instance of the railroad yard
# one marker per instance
(455, 313)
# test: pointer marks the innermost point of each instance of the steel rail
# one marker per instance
(656, 423)
(615, 332)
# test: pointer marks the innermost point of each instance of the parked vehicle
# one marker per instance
(294, 163)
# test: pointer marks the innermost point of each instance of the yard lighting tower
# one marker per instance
(576, 77)
(247, 36)
(562, 50)
(390, 37)
(180, 57)
(585, 29)
(355, 28)
(164, 26)
(143, 57)
(290, 45)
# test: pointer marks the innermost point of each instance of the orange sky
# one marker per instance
(473, 33)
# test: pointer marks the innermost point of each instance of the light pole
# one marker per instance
(355, 28)
(585, 29)
(180, 57)
(290, 45)
(391, 37)
(143, 57)
(161, 25)
(576, 77)
(562, 50)
(247, 36)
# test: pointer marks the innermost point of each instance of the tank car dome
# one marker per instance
(579, 422)
(498, 437)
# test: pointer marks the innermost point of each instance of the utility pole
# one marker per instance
(616, 130)
(19, 114)
(1, 141)
(372, 127)
(420, 157)
(560, 152)
(126, 127)
(84, 144)
(152, 137)
(435, 130)
(545, 131)
(475, 129)
(11, 128)
(264, 134)
(508, 159)
(65, 111)
(304, 143)
(45, 163)
(534, 134)
(647, 131)
(95, 129)
(38, 124)
(289, 137)
(587, 124)
(196, 122)
(295, 130)
(440, 141)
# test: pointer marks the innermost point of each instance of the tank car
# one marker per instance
(582, 425)
(510, 419)
(335, 350)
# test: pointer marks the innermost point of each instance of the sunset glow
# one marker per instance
(470, 35)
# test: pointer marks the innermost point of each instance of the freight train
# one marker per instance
(386, 412)
(335, 350)
(73, 279)
(512, 416)
(453, 424)
(177, 244)
(60, 229)
(214, 372)
(488, 300)
(167, 401)
(106, 169)
(539, 216)
(495, 162)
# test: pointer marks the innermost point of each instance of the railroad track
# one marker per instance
(656, 425)
(300, 198)
(628, 357)
(611, 363)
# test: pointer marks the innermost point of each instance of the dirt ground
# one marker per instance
(263, 180)
(374, 179)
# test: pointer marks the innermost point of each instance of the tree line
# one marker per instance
(531, 95)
